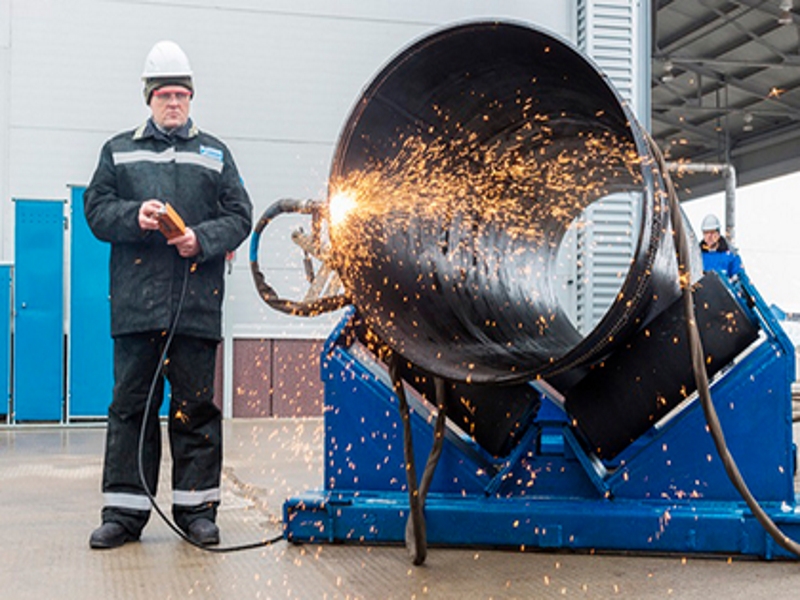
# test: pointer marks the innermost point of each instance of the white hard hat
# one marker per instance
(166, 60)
(710, 223)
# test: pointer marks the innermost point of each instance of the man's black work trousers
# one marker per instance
(194, 426)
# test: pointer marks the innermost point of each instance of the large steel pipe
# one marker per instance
(456, 178)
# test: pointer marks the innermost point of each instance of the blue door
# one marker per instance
(91, 349)
(38, 393)
(91, 374)
(5, 341)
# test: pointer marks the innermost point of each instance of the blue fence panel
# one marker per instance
(38, 393)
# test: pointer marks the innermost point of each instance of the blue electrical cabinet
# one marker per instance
(90, 363)
(5, 341)
(38, 347)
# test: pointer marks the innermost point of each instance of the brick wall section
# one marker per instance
(252, 378)
(297, 388)
(276, 378)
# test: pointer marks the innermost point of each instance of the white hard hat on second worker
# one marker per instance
(710, 223)
(166, 64)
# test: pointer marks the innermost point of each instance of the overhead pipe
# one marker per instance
(728, 172)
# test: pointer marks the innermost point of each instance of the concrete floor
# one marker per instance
(50, 499)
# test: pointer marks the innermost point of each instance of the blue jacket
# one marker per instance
(723, 259)
(196, 174)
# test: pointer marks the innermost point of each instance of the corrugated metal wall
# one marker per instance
(615, 33)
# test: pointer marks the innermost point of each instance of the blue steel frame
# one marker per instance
(667, 492)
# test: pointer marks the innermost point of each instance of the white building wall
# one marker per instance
(275, 79)
(5, 110)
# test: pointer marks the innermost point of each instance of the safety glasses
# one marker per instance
(169, 96)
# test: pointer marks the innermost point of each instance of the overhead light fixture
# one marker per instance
(785, 18)
(668, 75)
(748, 122)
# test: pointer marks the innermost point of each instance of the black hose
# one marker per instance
(701, 377)
(416, 542)
(268, 294)
(416, 536)
(438, 439)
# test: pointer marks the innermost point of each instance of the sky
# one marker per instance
(767, 221)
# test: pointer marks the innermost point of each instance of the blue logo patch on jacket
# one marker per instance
(214, 153)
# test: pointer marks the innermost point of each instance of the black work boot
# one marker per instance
(203, 531)
(110, 535)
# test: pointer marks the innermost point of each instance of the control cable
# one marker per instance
(140, 456)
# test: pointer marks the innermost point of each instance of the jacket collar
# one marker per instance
(722, 246)
(148, 129)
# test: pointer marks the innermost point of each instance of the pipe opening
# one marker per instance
(483, 178)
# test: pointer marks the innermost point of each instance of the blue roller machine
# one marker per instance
(461, 215)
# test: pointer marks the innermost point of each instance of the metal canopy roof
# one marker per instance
(726, 87)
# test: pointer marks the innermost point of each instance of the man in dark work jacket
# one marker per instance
(167, 160)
